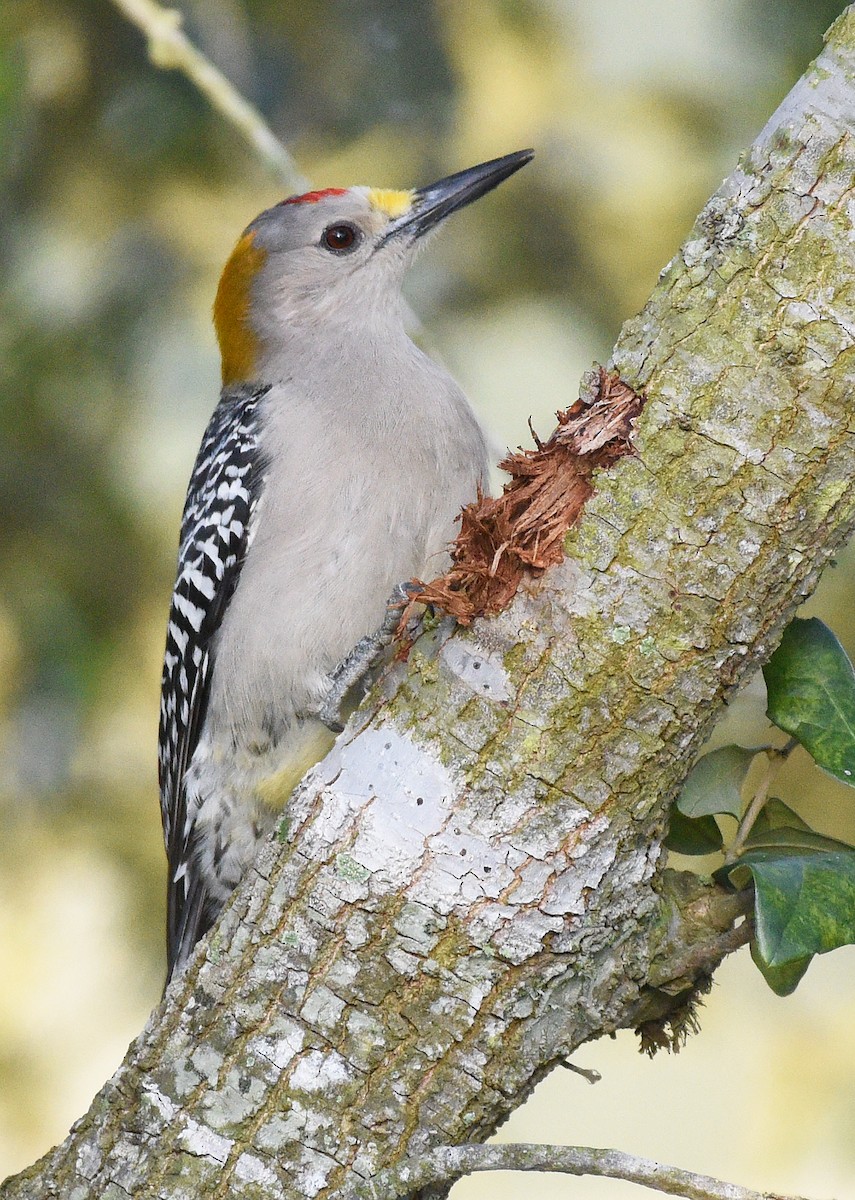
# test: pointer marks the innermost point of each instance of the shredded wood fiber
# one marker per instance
(523, 530)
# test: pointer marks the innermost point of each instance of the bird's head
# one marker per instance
(331, 260)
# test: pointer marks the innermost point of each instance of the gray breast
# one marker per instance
(360, 493)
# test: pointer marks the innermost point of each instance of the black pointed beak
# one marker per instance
(435, 202)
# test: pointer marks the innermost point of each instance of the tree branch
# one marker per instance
(170, 48)
(446, 1164)
(470, 884)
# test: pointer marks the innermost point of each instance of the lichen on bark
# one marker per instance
(471, 882)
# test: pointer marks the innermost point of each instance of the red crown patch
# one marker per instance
(314, 197)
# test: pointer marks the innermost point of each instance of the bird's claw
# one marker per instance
(365, 654)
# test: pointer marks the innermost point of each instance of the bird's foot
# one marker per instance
(365, 654)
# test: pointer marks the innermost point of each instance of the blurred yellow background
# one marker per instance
(122, 195)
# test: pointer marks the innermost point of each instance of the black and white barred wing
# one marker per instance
(215, 530)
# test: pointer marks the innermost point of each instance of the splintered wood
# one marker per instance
(524, 528)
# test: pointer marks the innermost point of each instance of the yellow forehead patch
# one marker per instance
(392, 203)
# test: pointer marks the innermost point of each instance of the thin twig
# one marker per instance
(447, 1163)
(588, 1073)
(775, 759)
(170, 48)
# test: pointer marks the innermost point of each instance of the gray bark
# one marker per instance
(470, 884)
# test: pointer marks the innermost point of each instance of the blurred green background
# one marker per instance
(121, 197)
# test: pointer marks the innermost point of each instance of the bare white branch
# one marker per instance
(445, 1164)
(170, 48)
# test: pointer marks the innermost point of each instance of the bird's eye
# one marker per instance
(339, 237)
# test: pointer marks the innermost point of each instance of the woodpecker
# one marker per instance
(332, 469)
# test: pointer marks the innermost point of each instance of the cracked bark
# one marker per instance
(470, 884)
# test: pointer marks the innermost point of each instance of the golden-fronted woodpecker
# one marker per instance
(332, 469)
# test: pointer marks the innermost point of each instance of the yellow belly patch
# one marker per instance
(275, 791)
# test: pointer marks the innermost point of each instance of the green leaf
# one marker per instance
(785, 840)
(733, 876)
(714, 783)
(686, 835)
(782, 980)
(811, 688)
(804, 904)
(775, 814)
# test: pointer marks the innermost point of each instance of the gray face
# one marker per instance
(332, 243)
(335, 259)
(321, 261)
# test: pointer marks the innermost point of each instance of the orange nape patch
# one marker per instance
(238, 343)
(314, 197)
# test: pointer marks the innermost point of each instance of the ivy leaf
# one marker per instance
(782, 980)
(788, 840)
(811, 688)
(804, 903)
(775, 814)
(735, 876)
(687, 835)
(714, 783)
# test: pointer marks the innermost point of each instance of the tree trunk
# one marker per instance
(470, 884)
